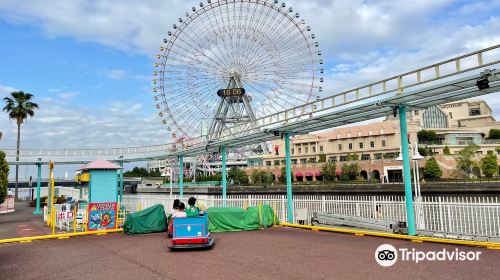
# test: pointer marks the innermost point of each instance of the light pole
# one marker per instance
(416, 180)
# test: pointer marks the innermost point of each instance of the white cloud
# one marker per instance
(5, 90)
(60, 123)
(117, 74)
(68, 95)
(362, 41)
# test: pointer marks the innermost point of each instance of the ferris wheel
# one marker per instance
(227, 63)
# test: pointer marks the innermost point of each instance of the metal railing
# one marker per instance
(459, 215)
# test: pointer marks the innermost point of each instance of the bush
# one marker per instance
(494, 133)
(428, 136)
(446, 150)
(4, 176)
(432, 170)
(489, 164)
(329, 171)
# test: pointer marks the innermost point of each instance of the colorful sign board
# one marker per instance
(102, 215)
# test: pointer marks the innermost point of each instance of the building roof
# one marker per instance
(100, 164)
(372, 129)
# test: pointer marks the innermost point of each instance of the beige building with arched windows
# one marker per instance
(377, 145)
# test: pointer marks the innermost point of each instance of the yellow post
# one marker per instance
(74, 219)
(117, 215)
(51, 168)
(274, 212)
(260, 215)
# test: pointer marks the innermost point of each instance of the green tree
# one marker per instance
(350, 171)
(465, 162)
(489, 164)
(432, 169)
(262, 177)
(446, 150)
(322, 158)
(256, 177)
(4, 176)
(494, 133)
(19, 107)
(142, 172)
(329, 171)
(427, 136)
(238, 176)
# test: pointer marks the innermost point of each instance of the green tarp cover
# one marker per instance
(237, 219)
(149, 220)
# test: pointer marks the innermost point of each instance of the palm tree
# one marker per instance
(19, 108)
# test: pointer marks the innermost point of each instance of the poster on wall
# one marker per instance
(102, 216)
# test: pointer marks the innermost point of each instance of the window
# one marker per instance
(361, 145)
(320, 149)
(383, 143)
(268, 163)
(294, 161)
(359, 133)
(474, 111)
(306, 150)
(276, 162)
(370, 132)
(365, 157)
(372, 144)
(450, 114)
(312, 160)
(293, 151)
(340, 147)
(343, 158)
(302, 160)
(332, 159)
(300, 151)
(350, 146)
(377, 156)
(381, 131)
(314, 150)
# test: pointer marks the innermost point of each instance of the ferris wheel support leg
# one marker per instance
(38, 184)
(410, 217)
(181, 177)
(288, 164)
(224, 175)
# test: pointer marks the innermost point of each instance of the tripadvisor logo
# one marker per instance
(387, 255)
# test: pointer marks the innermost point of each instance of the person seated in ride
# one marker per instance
(178, 213)
(181, 212)
(192, 210)
(175, 207)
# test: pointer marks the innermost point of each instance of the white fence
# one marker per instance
(460, 215)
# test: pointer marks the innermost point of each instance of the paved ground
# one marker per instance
(22, 223)
(276, 253)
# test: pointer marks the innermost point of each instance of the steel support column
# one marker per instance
(410, 216)
(181, 177)
(224, 175)
(38, 185)
(288, 164)
(121, 179)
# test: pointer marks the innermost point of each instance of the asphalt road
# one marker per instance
(276, 253)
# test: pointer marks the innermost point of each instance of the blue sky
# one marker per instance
(89, 63)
